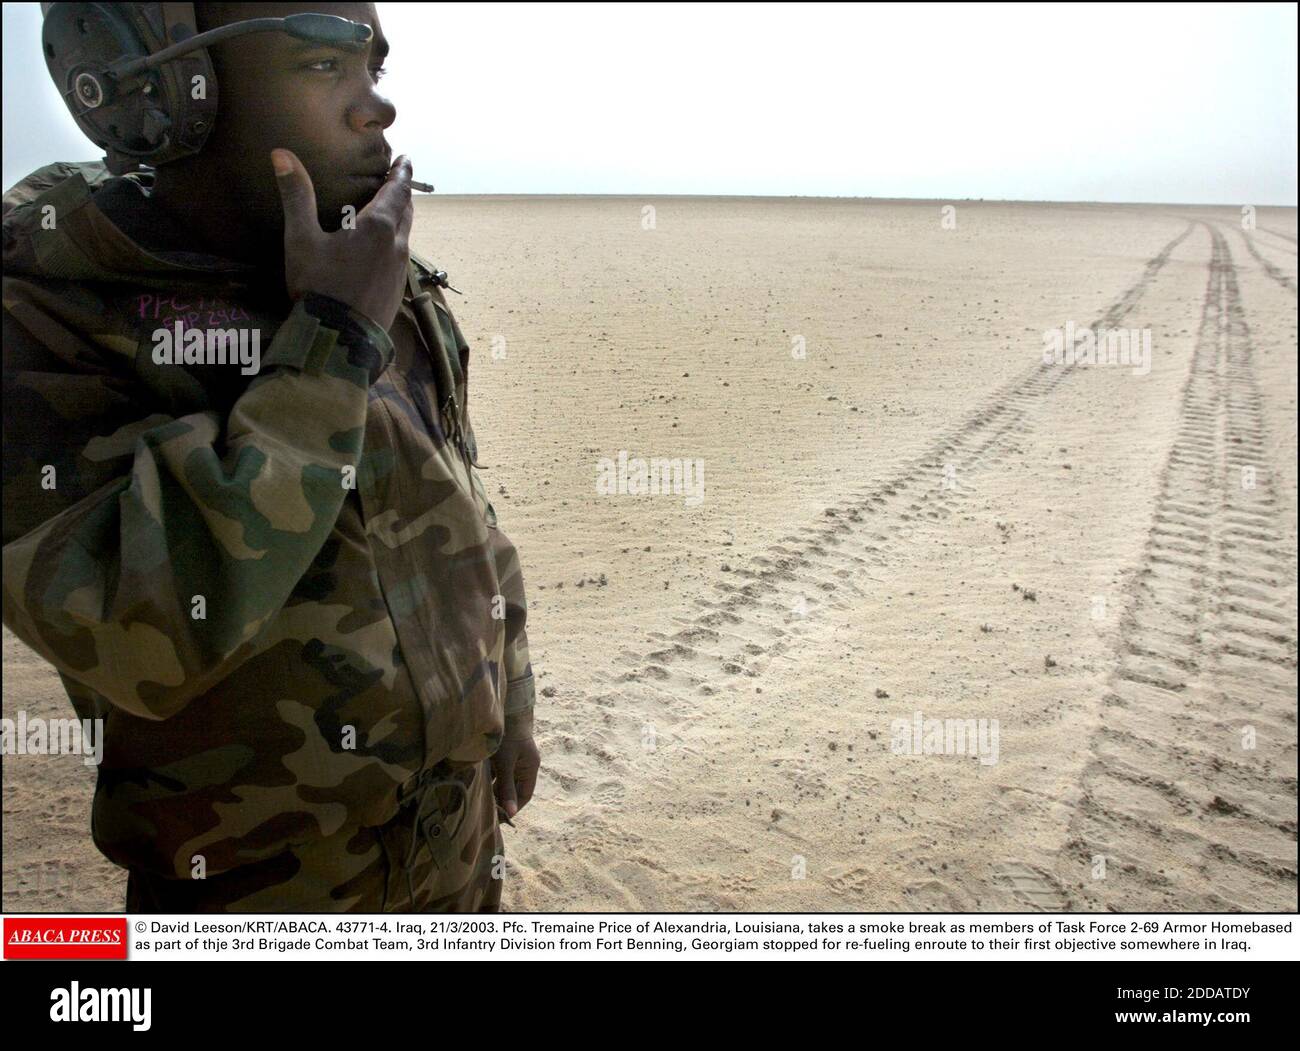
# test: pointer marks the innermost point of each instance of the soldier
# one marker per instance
(284, 590)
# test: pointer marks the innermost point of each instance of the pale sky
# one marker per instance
(1167, 102)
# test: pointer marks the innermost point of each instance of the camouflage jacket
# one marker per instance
(284, 592)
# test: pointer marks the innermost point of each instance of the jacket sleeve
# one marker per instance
(154, 585)
(520, 688)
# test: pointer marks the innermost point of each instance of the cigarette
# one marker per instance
(423, 187)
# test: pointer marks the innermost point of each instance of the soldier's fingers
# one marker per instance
(505, 789)
(408, 217)
(394, 196)
(525, 782)
(297, 194)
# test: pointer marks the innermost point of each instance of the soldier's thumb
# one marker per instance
(297, 195)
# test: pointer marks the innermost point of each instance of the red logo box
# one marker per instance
(65, 938)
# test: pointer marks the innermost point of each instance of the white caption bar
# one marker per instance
(693, 936)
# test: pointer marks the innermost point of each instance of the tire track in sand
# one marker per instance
(1192, 769)
(769, 601)
(757, 609)
(1273, 271)
(1284, 237)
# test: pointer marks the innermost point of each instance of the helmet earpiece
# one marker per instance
(150, 117)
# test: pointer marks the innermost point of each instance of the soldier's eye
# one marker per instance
(378, 73)
(331, 63)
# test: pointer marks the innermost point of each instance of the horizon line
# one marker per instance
(855, 197)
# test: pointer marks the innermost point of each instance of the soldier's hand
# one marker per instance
(363, 267)
(514, 769)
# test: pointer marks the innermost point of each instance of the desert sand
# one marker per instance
(916, 514)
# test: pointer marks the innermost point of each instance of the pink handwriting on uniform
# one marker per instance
(195, 310)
